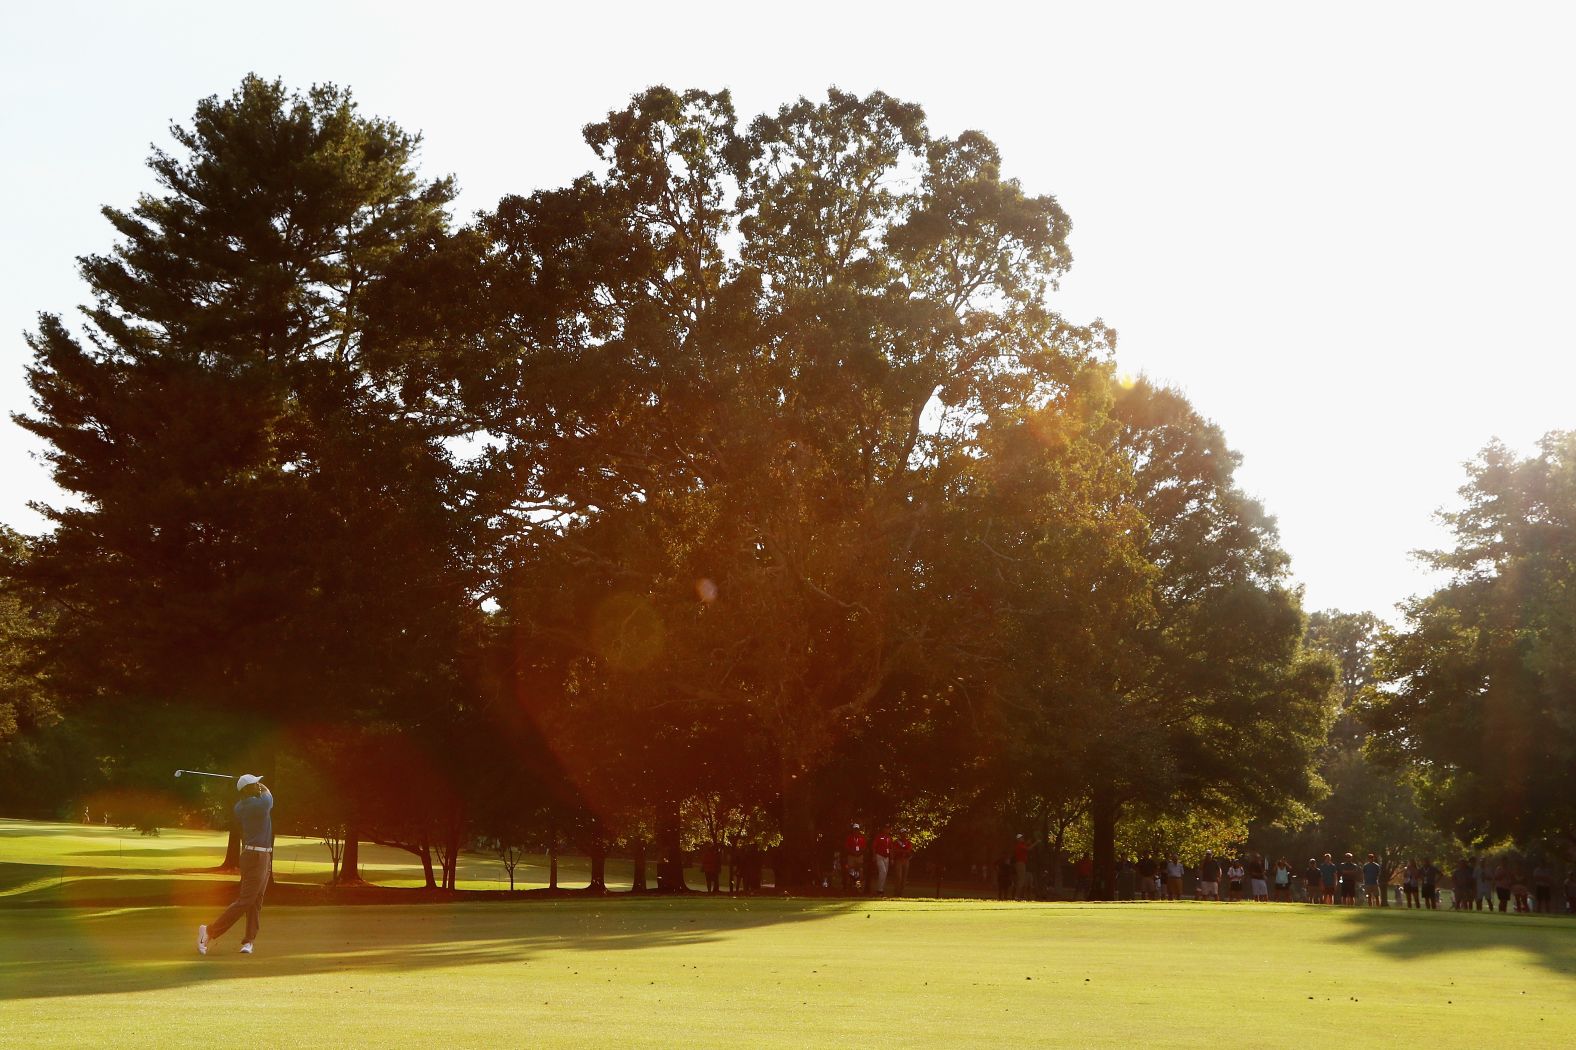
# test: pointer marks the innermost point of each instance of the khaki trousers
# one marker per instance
(255, 868)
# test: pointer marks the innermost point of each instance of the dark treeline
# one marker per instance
(744, 486)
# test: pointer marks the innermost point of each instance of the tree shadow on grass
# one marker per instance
(156, 851)
(1547, 940)
(47, 954)
(71, 886)
(14, 875)
(19, 829)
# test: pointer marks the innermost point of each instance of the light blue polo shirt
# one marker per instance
(257, 827)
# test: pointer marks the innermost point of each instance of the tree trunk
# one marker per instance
(670, 866)
(798, 827)
(774, 857)
(232, 848)
(426, 865)
(552, 859)
(638, 880)
(1103, 810)
(350, 867)
(451, 851)
(1056, 858)
(598, 865)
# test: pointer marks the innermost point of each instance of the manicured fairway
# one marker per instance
(788, 973)
(697, 972)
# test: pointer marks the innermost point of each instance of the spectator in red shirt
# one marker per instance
(853, 858)
(902, 851)
(881, 847)
(1020, 868)
(1084, 870)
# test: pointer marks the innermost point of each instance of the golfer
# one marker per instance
(257, 861)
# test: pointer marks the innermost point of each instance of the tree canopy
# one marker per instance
(752, 474)
(1479, 693)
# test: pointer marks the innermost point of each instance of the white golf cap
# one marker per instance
(246, 780)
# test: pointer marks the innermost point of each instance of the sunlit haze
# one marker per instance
(1343, 231)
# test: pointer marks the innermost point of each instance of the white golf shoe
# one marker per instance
(202, 940)
(246, 949)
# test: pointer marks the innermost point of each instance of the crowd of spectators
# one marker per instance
(879, 864)
(1477, 883)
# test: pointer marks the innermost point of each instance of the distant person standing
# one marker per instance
(736, 864)
(1504, 882)
(1312, 882)
(254, 812)
(1173, 878)
(1484, 872)
(881, 848)
(1463, 886)
(1004, 877)
(1020, 868)
(711, 866)
(1143, 877)
(853, 858)
(1410, 876)
(1372, 894)
(902, 853)
(1256, 884)
(1570, 892)
(1281, 878)
(1209, 878)
(1543, 887)
(1083, 871)
(1519, 889)
(1348, 873)
(1430, 876)
(1234, 877)
(1039, 867)
(1327, 873)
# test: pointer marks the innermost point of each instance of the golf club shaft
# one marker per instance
(200, 773)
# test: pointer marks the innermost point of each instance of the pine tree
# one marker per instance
(258, 533)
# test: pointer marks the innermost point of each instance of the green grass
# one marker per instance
(742, 973)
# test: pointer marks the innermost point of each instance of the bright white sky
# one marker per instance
(1345, 231)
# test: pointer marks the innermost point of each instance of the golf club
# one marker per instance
(200, 773)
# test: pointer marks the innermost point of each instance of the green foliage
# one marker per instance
(1373, 808)
(712, 364)
(26, 702)
(1159, 667)
(1366, 806)
(1351, 639)
(1229, 702)
(260, 533)
(1187, 833)
(1479, 686)
(790, 499)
